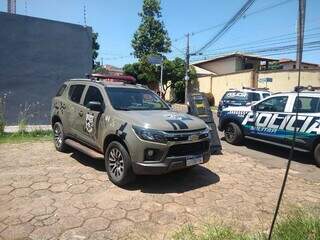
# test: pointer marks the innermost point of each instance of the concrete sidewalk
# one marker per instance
(29, 128)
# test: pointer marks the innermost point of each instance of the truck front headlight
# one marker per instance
(150, 134)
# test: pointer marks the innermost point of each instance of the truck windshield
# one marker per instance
(134, 99)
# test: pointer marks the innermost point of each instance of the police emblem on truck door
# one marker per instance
(89, 122)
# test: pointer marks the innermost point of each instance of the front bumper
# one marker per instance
(169, 156)
(169, 164)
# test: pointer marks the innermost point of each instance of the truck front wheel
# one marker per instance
(118, 164)
(59, 137)
(233, 133)
(317, 154)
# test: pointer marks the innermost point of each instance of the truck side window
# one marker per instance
(61, 90)
(306, 105)
(275, 104)
(75, 93)
(93, 95)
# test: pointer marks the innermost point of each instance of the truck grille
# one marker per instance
(188, 149)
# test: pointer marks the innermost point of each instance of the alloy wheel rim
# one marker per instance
(58, 136)
(230, 132)
(116, 163)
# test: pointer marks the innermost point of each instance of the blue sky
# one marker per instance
(117, 20)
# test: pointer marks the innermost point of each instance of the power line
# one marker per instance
(272, 39)
(244, 16)
(228, 25)
(273, 50)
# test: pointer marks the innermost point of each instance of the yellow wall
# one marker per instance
(283, 81)
(287, 80)
(220, 84)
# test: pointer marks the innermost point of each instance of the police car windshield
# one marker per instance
(134, 99)
(236, 96)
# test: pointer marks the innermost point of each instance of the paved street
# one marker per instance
(274, 157)
(49, 195)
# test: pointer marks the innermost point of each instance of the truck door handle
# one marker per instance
(80, 113)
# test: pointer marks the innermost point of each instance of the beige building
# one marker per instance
(233, 63)
(222, 74)
(288, 64)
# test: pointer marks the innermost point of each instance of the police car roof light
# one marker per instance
(112, 78)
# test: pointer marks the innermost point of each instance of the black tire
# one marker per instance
(233, 133)
(59, 137)
(316, 154)
(118, 164)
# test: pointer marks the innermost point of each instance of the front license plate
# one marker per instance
(194, 160)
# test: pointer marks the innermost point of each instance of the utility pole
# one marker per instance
(300, 36)
(300, 32)
(186, 78)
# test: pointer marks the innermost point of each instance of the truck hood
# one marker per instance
(162, 120)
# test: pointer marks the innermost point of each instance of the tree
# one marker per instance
(95, 48)
(173, 75)
(151, 36)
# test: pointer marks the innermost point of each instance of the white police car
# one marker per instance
(272, 120)
(244, 97)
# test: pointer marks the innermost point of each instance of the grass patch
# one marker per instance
(18, 137)
(297, 225)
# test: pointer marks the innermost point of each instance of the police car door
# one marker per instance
(270, 118)
(91, 122)
(307, 123)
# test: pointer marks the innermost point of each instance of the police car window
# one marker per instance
(93, 95)
(275, 104)
(61, 90)
(75, 93)
(264, 95)
(255, 96)
(307, 105)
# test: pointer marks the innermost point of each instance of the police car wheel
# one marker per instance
(317, 155)
(232, 133)
(59, 138)
(118, 164)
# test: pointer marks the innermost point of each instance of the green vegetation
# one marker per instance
(297, 225)
(151, 37)
(37, 135)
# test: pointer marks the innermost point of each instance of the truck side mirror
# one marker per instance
(95, 106)
(254, 108)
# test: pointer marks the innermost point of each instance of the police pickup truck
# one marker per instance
(272, 120)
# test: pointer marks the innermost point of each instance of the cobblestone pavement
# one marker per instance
(49, 195)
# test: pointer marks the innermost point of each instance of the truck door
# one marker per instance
(91, 122)
(270, 117)
(74, 112)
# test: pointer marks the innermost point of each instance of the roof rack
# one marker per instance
(307, 88)
(111, 78)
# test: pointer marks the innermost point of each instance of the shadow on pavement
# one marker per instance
(300, 157)
(97, 164)
(176, 182)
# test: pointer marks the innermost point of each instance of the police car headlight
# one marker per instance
(150, 134)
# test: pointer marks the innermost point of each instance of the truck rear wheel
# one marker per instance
(317, 154)
(118, 164)
(233, 133)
